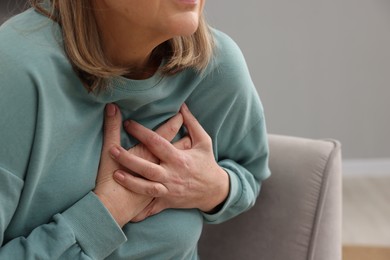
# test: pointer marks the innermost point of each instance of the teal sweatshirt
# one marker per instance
(51, 139)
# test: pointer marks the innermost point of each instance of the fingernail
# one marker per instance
(115, 152)
(119, 176)
(126, 123)
(185, 106)
(110, 110)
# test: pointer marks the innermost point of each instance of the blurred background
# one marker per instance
(322, 70)
(9, 7)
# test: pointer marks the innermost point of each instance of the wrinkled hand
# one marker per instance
(186, 177)
(168, 131)
(123, 203)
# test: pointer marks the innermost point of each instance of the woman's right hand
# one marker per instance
(122, 203)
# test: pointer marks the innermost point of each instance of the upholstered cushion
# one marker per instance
(298, 213)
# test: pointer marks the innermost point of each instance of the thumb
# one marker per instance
(112, 126)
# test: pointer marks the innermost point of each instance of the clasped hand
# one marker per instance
(179, 175)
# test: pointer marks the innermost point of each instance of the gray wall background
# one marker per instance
(322, 68)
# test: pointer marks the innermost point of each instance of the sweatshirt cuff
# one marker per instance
(95, 229)
(233, 197)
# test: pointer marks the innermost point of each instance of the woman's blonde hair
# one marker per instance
(84, 49)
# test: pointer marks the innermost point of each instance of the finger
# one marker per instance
(195, 130)
(155, 207)
(146, 169)
(112, 126)
(156, 144)
(140, 185)
(183, 144)
(170, 129)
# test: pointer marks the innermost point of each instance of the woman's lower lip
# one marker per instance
(188, 1)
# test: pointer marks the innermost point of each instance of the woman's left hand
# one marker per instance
(189, 178)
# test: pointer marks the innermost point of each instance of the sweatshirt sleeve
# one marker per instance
(85, 230)
(247, 167)
(238, 128)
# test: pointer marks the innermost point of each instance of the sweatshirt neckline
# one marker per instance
(131, 85)
(135, 85)
(120, 88)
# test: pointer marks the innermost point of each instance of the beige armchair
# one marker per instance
(298, 213)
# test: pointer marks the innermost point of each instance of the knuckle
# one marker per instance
(149, 171)
(154, 190)
(154, 140)
(181, 160)
(207, 140)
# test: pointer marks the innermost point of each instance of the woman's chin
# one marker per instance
(186, 27)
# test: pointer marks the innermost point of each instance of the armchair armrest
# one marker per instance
(298, 213)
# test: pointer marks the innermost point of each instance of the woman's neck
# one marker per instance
(127, 46)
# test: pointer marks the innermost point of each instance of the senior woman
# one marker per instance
(126, 125)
